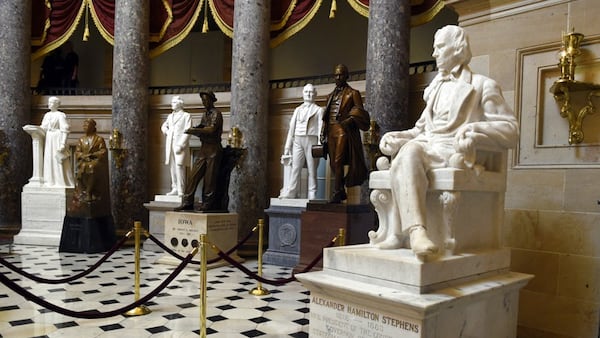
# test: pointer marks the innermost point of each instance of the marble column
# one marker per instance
(387, 63)
(15, 108)
(130, 113)
(250, 109)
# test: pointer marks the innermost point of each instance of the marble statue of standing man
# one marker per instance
(303, 133)
(57, 166)
(177, 152)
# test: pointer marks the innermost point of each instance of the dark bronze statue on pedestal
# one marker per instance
(88, 226)
(343, 119)
(213, 164)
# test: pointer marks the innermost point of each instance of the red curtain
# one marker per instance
(287, 17)
(54, 21)
(422, 11)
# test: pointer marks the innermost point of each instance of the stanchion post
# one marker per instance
(140, 310)
(203, 285)
(259, 290)
(341, 238)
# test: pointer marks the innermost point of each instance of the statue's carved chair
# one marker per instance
(464, 206)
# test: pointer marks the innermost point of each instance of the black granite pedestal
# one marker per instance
(284, 232)
(321, 222)
(87, 234)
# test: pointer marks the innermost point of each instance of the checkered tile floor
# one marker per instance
(231, 311)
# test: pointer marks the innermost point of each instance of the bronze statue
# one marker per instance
(91, 186)
(208, 160)
(343, 119)
(88, 226)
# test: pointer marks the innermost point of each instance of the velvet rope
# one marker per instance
(94, 314)
(210, 261)
(66, 279)
(275, 282)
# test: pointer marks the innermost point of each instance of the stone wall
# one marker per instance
(552, 219)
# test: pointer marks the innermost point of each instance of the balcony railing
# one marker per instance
(416, 68)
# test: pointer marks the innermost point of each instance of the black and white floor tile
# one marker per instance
(230, 312)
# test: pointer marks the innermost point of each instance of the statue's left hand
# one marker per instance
(463, 141)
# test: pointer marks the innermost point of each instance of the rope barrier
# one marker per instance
(94, 314)
(210, 261)
(66, 279)
(276, 282)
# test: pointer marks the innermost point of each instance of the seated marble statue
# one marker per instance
(305, 127)
(463, 111)
(92, 165)
(57, 167)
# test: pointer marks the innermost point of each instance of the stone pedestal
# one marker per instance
(183, 229)
(87, 234)
(284, 231)
(88, 226)
(366, 292)
(321, 222)
(156, 211)
(43, 211)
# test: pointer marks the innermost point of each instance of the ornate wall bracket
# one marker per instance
(371, 143)
(567, 85)
(116, 148)
(562, 90)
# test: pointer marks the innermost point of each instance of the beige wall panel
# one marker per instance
(535, 189)
(543, 265)
(560, 315)
(579, 277)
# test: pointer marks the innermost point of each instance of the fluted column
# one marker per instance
(388, 60)
(130, 112)
(249, 109)
(15, 108)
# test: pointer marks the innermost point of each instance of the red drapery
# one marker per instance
(421, 11)
(54, 21)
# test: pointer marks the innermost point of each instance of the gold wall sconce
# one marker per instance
(116, 147)
(566, 85)
(235, 138)
(371, 143)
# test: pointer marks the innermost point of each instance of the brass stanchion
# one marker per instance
(341, 237)
(142, 309)
(259, 290)
(203, 285)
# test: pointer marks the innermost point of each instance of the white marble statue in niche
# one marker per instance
(303, 133)
(177, 150)
(57, 170)
(464, 112)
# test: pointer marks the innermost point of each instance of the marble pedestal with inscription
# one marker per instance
(156, 213)
(183, 229)
(366, 292)
(284, 231)
(43, 211)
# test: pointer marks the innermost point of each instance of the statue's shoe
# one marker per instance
(338, 197)
(184, 207)
(420, 244)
